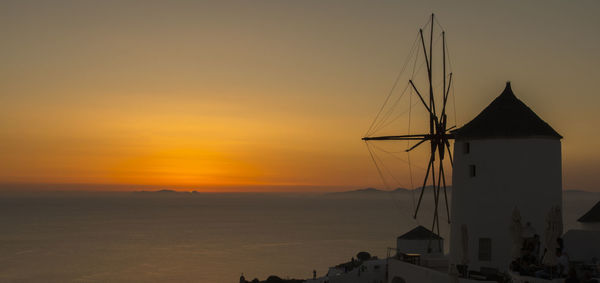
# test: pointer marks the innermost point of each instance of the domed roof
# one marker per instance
(506, 117)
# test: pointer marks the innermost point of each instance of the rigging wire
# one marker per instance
(398, 116)
(450, 67)
(388, 171)
(382, 169)
(385, 118)
(376, 165)
(435, 44)
(395, 83)
(408, 141)
(375, 126)
(379, 124)
(414, 66)
(412, 186)
(439, 24)
(426, 24)
(388, 152)
(396, 201)
(390, 121)
(388, 113)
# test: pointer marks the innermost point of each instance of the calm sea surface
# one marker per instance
(125, 237)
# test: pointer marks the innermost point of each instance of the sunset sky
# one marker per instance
(267, 95)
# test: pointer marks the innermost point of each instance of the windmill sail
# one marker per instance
(438, 135)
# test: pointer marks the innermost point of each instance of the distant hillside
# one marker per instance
(375, 192)
(401, 190)
(158, 192)
(165, 192)
(365, 191)
(579, 191)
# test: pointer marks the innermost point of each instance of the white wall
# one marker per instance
(417, 274)
(419, 246)
(510, 172)
(582, 245)
(591, 226)
(516, 278)
(374, 271)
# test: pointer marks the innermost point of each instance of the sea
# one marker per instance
(205, 237)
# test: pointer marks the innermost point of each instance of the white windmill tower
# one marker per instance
(506, 157)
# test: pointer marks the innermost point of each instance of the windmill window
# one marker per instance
(485, 249)
(467, 148)
(472, 171)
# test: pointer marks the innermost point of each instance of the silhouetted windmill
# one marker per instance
(439, 132)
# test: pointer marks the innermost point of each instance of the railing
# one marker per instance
(406, 257)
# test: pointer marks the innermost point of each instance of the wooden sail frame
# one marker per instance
(439, 134)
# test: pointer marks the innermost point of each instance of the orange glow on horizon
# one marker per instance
(269, 96)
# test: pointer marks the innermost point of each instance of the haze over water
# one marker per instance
(160, 237)
(252, 96)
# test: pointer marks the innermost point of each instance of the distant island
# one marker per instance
(165, 191)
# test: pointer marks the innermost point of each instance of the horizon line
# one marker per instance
(275, 188)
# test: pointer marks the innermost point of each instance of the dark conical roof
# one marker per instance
(420, 233)
(506, 117)
(591, 216)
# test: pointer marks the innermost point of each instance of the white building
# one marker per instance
(506, 157)
(370, 271)
(584, 244)
(591, 220)
(420, 241)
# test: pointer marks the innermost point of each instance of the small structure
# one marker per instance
(420, 240)
(368, 271)
(505, 158)
(591, 220)
(583, 244)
